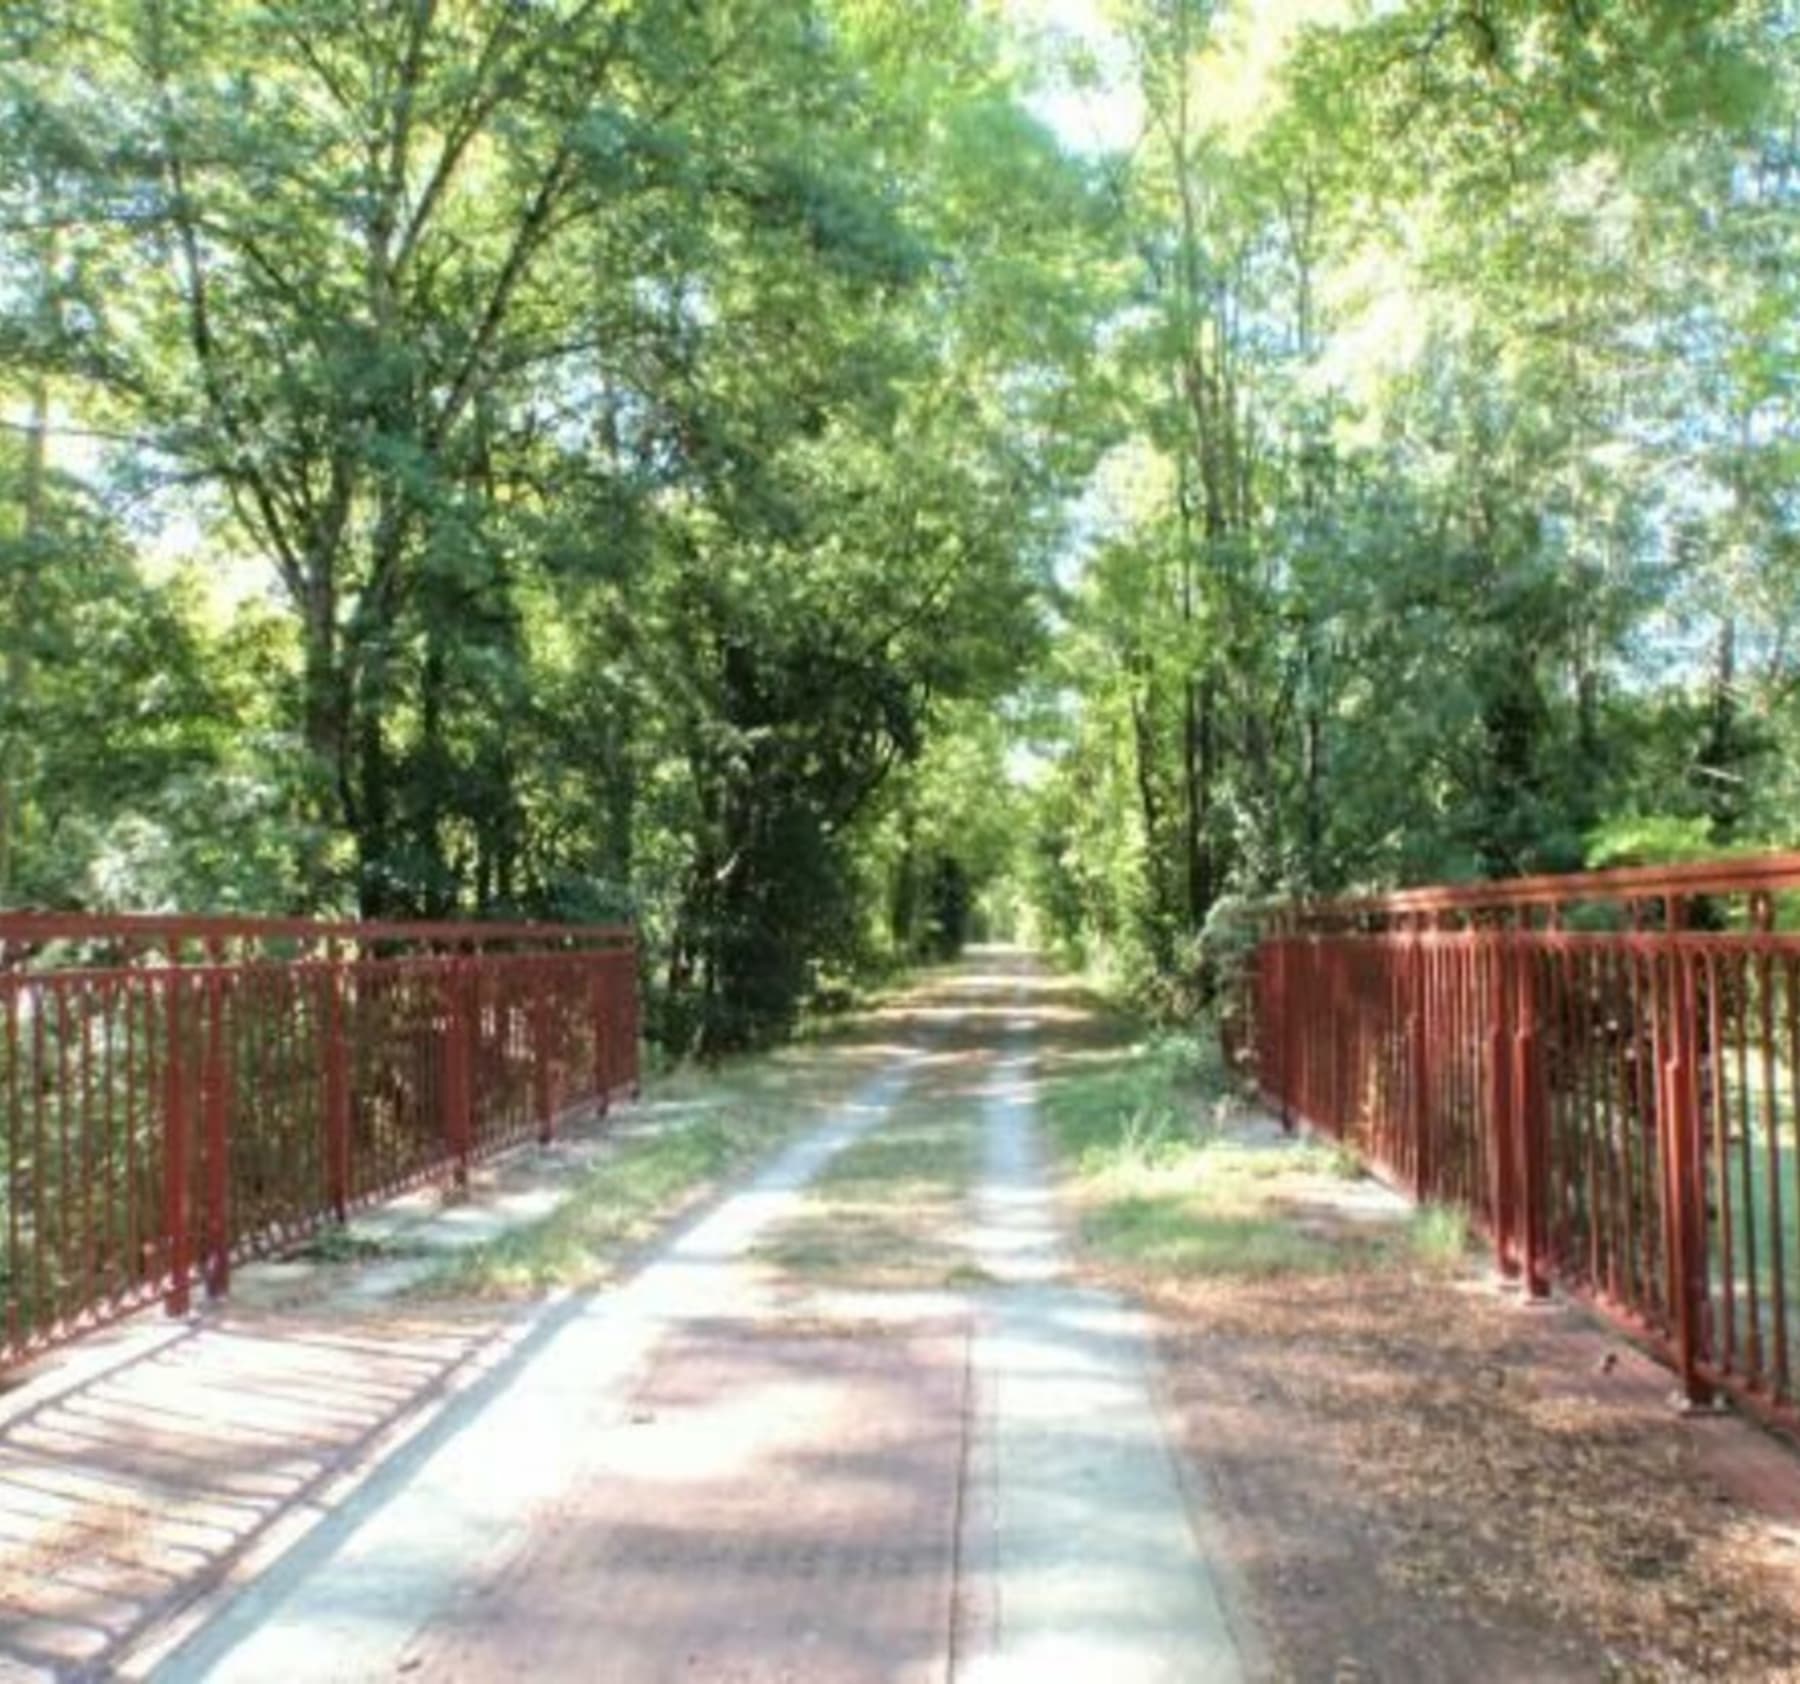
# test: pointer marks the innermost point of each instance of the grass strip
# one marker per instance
(1170, 1176)
(885, 1212)
(706, 1128)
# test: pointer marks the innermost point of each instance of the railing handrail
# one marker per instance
(154, 927)
(179, 1093)
(1616, 1107)
(1750, 875)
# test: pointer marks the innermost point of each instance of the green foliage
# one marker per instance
(729, 466)
(616, 444)
(1650, 839)
(1448, 521)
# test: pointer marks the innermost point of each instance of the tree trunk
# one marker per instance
(1723, 750)
(13, 741)
(1198, 797)
(322, 723)
(1312, 772)
(374, 791)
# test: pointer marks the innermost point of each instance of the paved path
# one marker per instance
(155, 1460)
(1081, 1555)
(681, 1479)
(374, 1589)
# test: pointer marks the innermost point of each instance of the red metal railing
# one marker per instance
(1604, 1069)
(179, 1093)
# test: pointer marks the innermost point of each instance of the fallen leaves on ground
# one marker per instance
(1486, 1484)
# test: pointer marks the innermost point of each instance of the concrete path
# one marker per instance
(158, 1459)
(692, 1477)
(1080, 1552)
(368, 1594)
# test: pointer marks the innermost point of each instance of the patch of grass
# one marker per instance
(1438, 1237)
(1343, 1161)
(1124, 1106)
(1267, 1162)
(883, 1212)
(1169, 1183)
(619, 1204)
(864, 1247)
(1222, 1208)
(1169, 1235)
(717, 1122)
(921, 1152)
(1138, 1107)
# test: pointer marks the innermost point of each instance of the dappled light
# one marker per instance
(899, 841)
(124, 1493)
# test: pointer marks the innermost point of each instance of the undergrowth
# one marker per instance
(1173, 1175)
(712, 1124)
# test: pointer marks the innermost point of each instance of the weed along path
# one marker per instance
(852, 1423)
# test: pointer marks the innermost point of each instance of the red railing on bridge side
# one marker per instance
(1603, 1069)
(179, 1093)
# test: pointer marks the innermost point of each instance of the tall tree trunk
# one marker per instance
(430, 788)
(1199, 796)
(1723, 750)
(323, 718)
(1162, 949)
(376, 627)
(1203, 885)
(13, 740)
(1312, 770)
(374, 889)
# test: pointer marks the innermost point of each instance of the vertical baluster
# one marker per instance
(175, 1141)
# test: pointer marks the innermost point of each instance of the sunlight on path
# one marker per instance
(429, 1527)
(691, 1477)
(1079, 1551)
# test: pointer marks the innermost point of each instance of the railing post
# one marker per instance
(1424, 1169)
(217, 1114)
(175, 1142)
(1340, 1041)
(1501, 1176)
(337, 1087)
(1303, 1006)
(628, 994)
(1530, 1124)
(1285, 1032)
(540, 1051)
(596, 963)
(1684, 1199)
(459, 1096)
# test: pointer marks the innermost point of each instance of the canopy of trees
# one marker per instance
(745, 467)
(1453, 511)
